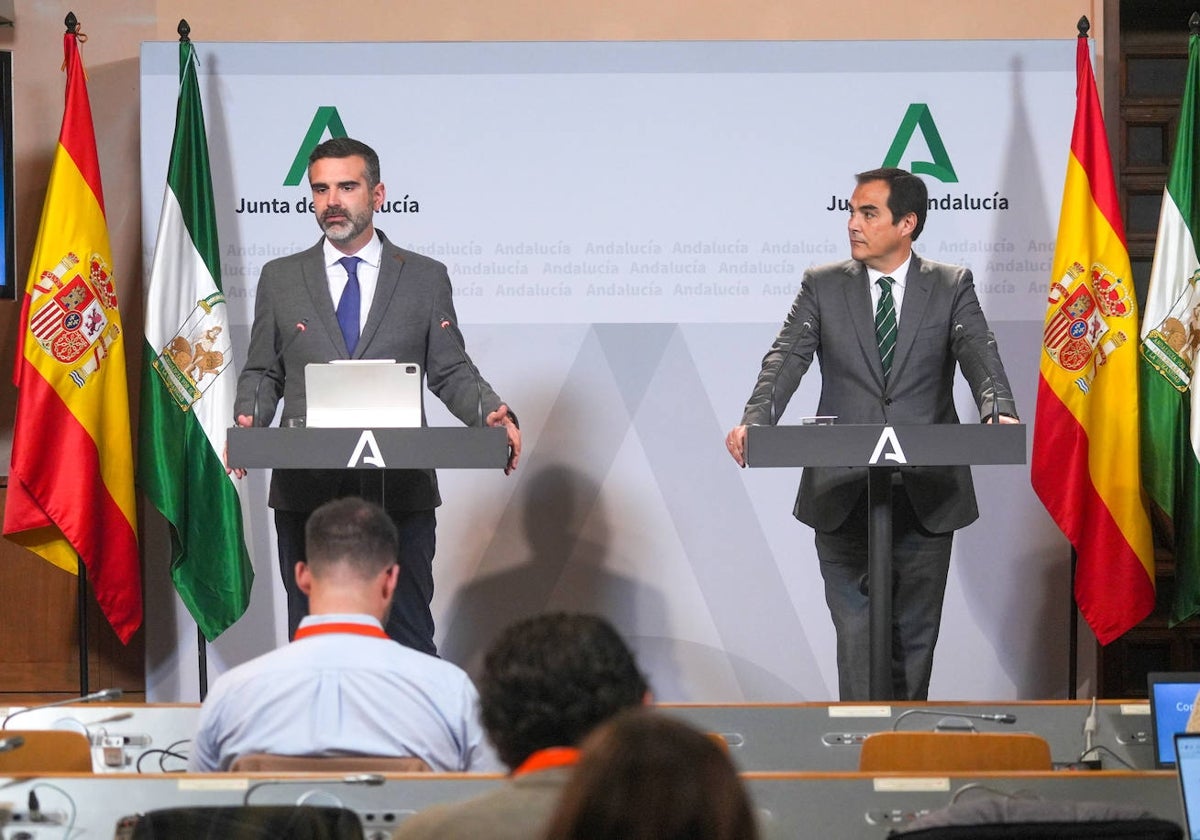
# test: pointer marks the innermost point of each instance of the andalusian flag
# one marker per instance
(188, 386)
(1170, 336)
(70, 491)
(1085, 439)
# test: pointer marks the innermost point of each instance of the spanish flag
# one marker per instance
(70, 493)
(1085, 439)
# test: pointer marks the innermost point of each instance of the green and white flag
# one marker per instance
(1170, 393)
(188, 383)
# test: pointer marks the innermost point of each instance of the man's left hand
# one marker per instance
(1004, 418)
(501, 417)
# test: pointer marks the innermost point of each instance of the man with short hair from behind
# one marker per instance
(547, 682)
(342, 687)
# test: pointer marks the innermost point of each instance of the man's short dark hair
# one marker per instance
(906, 194)
(352, 532)
(344, 147)
(549, 680)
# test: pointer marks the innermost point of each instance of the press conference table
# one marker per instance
(827, 736)
(781, 737)
(843, 806)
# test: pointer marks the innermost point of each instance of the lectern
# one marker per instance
(368, 449)
(883, 449)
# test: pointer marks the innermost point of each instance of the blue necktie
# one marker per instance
(348, 307)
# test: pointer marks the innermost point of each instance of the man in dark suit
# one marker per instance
(362, 298)
(888, 328)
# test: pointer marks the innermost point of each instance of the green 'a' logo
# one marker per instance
(325, 118)
(940, 167)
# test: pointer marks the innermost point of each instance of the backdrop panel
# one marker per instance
(626, 225)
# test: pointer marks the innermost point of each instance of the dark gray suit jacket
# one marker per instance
(412, 298)
(941, 323)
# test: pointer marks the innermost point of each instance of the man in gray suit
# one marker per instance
(359, 297)
(887, 327)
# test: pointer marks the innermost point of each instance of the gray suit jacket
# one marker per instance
(941, 323)
(412, 298)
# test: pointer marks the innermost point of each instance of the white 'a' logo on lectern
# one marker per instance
(888, 447)
(367, 451)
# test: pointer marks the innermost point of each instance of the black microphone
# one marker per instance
(998, 717)
(988, 380)
(105, 694)
(301, 326)
(446, 325)
(368, 779)
(804, 330)
(10, 743)
(991, 343)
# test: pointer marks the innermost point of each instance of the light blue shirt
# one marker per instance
(344, 694)
(371, 255)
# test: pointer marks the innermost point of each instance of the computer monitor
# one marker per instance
(1172, 695)
(1187, 752)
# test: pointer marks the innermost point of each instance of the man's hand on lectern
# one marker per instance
(735, 442)
(502, 417)
(244, 420)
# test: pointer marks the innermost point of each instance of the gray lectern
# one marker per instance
(367, 449)
(882, 449)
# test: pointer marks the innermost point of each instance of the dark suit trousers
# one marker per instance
(410, 621)
(920, 564)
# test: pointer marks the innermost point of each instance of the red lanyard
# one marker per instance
(339, 627)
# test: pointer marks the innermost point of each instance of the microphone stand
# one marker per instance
(105, 694)
(368, 779)
(805, 328)
(999, 717)
(448, 326)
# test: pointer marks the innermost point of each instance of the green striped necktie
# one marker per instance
(885, 324)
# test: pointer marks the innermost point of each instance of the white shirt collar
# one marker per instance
(370, 253)
(341, 618)
(900, 275)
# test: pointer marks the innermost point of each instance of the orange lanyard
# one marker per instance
(547, 759)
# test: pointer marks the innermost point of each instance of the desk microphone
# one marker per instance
(367, 779)
(301, 326)
(96, 696)
(1000, 717)
(451, 330)
(1091, 725)
(805, 328)
(12, 742)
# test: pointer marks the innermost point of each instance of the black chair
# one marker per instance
(1141, 829)
(250, 822)
(1006, 817)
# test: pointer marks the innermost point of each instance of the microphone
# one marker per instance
(1090, 725)
(301, 326)
(989, 381)
(96, 696)
(805, 328)
(367, 779)
(446, 325)
(998, 717)
(991, 344)
(10, 743)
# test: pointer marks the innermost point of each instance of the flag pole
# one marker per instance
(185, 30)
(73, 26)
(81, 615)
(1073, 635)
